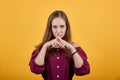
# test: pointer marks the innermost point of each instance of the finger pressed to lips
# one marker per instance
(58, 34)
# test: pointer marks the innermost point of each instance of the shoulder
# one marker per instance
(35, 52)
(75, 44)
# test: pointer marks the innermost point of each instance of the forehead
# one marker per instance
(58, 21)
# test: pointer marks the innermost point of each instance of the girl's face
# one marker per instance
(58, 27)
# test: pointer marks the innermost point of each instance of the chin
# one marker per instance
(60, 37)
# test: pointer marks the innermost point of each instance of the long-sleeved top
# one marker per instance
(59, 67)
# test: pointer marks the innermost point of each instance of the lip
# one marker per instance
(58, 34)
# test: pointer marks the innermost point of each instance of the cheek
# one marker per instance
(54, 32)
(64, 31)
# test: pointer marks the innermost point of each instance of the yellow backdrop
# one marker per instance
(95, 27)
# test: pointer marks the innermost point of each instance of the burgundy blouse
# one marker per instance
(59, 67)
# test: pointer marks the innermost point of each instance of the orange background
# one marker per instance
(95, 27)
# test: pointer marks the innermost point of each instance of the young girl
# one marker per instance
(58, 57)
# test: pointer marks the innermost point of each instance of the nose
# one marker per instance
(58, 30)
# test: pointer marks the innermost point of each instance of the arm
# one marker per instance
(36, 63)
(80, 63)
(41, 56)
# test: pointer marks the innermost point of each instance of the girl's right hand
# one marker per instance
(52, 43)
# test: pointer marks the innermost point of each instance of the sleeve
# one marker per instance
(85, 68)
(35, 68)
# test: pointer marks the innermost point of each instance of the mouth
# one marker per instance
(59, 35)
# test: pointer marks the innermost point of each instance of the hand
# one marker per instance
(63, 43)
(57, 43)
(52, 43)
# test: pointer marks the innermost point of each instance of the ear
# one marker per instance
(75, 44)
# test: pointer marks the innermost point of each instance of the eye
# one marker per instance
(61, 26)
(54, 26)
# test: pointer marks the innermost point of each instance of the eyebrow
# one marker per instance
(57, 25)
